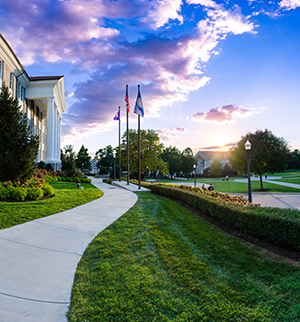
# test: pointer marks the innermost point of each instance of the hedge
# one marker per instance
(280, 226)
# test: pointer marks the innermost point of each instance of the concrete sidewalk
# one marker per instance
(38, 259)
(130, 186)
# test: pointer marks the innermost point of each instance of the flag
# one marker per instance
(139, 109)
(117, 117)
(126, 99)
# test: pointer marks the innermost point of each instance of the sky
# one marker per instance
(209, 71)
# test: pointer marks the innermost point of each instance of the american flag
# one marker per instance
(126, 99)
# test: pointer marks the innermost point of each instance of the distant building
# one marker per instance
(42, 98)
(94, 168)
(205, 158)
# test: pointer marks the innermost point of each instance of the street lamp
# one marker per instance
(114, 156)
(248, 150)
(195, 174)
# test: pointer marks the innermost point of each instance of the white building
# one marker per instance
(42, 98)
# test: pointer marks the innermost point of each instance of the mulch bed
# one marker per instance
(282, 251)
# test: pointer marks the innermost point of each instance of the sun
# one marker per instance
(220, 140)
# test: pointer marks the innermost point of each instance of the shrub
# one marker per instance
(47, 190)
(41, 165)
(103, 170)
(281, 226)
(4, 193)
(35, 193)
(49, 167)
(18, 193)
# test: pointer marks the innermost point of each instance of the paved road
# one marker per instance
(38, 259)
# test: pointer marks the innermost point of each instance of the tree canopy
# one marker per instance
(18, 145)
(151, 150)
(68, 156)
(83, 159)
(216, 167)
(172, 156)
(271, 153)
(187, 161)
(294, 160)
(105, 157)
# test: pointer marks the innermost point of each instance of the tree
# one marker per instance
(295, 160)
(216, 167)
(18, 145)
(68, 156)
(187, 161)
(270, 152)
(83, 159)
(105, 157)
(172, 156)
(151, 150)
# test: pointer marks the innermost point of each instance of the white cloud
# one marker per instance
(289, 4)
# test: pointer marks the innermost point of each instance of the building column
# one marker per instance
(55, 132)
(50, 131)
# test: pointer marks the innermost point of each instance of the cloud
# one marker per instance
(220, 148)
(225, 114)
(289, 4)
(169, 134)
(114, 43)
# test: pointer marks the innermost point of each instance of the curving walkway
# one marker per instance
(38, 259)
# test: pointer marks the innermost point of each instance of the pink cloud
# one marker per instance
(88, 35)
(225, 114)
(169, 134)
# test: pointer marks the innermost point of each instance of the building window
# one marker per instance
(22, 93)
(1, 72)
(11, 83)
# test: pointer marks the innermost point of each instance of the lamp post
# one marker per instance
(248, 150)
(114, 156)
(195, 174)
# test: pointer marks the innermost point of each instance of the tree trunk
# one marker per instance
(261, 182)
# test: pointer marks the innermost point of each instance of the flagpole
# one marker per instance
(127, 121)
(139, 149)
(119, 144)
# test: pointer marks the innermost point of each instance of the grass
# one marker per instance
(242, 187)
(160, 262)
(235, 187)
(66, 197)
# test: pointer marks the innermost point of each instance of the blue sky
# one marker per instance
(209, 71)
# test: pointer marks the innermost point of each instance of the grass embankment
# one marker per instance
(160, 262)
(66, 197)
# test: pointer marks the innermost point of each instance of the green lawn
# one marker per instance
(160, 262)
(66, 197)
(234, 187)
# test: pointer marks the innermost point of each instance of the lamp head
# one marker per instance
(248, 146)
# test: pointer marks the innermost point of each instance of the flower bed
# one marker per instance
(38, 187)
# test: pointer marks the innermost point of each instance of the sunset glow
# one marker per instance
(209, 71)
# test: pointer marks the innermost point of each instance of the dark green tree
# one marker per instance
(271, 153)
(68, 156)
(216, 167)
(172, 156)
(83, 160)
(151, 150)
(294, 160)
(105, 158)
(18, 146)
(187, 161)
